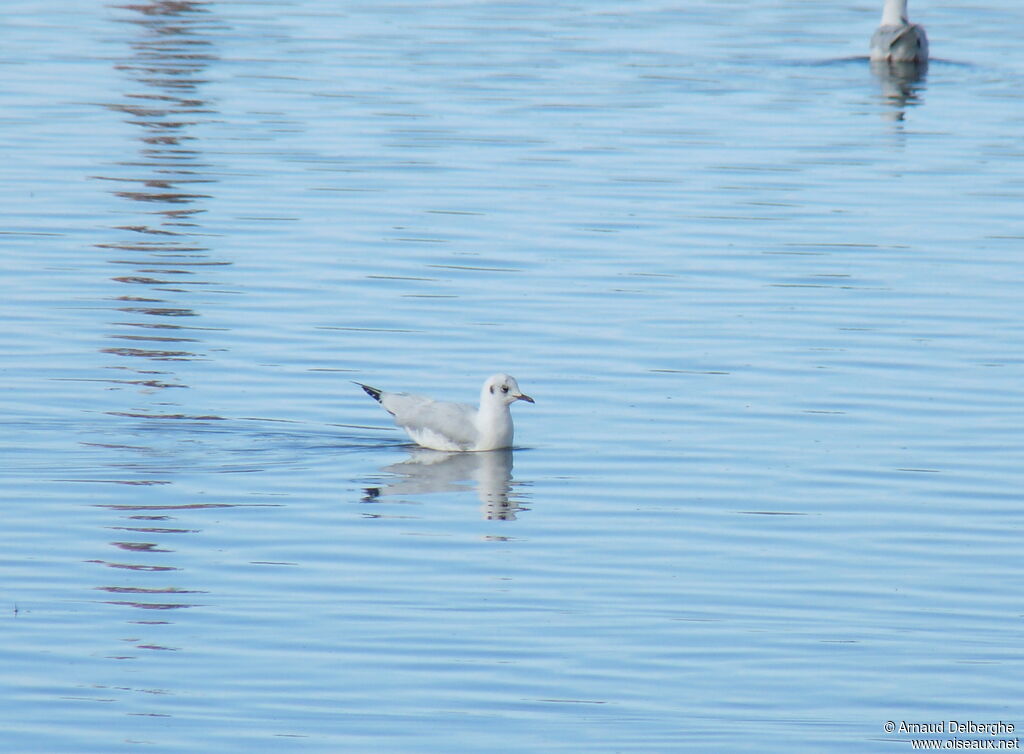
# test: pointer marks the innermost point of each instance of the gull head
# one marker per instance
(504, 389)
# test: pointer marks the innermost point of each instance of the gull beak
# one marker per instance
(524, 397)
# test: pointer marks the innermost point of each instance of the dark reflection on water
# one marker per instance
(170, 50)
(489, 473)
(160, 261)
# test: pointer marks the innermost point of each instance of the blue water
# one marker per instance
(769, 302)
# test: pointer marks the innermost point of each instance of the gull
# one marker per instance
(896, 40)
(456, 426)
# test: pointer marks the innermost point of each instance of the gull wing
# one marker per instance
(907, 42)
(421, 417)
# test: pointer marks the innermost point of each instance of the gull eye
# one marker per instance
(504, 388)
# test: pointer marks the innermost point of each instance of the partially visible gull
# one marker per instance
(896, 40)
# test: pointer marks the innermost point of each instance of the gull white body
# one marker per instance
(439, 425)
(896, 39)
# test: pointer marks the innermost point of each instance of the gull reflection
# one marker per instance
(901, 82)
(429, 471)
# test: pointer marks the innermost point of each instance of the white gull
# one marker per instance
(456, 426)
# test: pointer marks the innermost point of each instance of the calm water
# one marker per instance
(769, 303)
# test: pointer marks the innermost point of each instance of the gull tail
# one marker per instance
(370, 391)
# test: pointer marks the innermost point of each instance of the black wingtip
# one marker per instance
(370, 391)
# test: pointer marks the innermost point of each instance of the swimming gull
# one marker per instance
(456, 426)
(897, 40)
